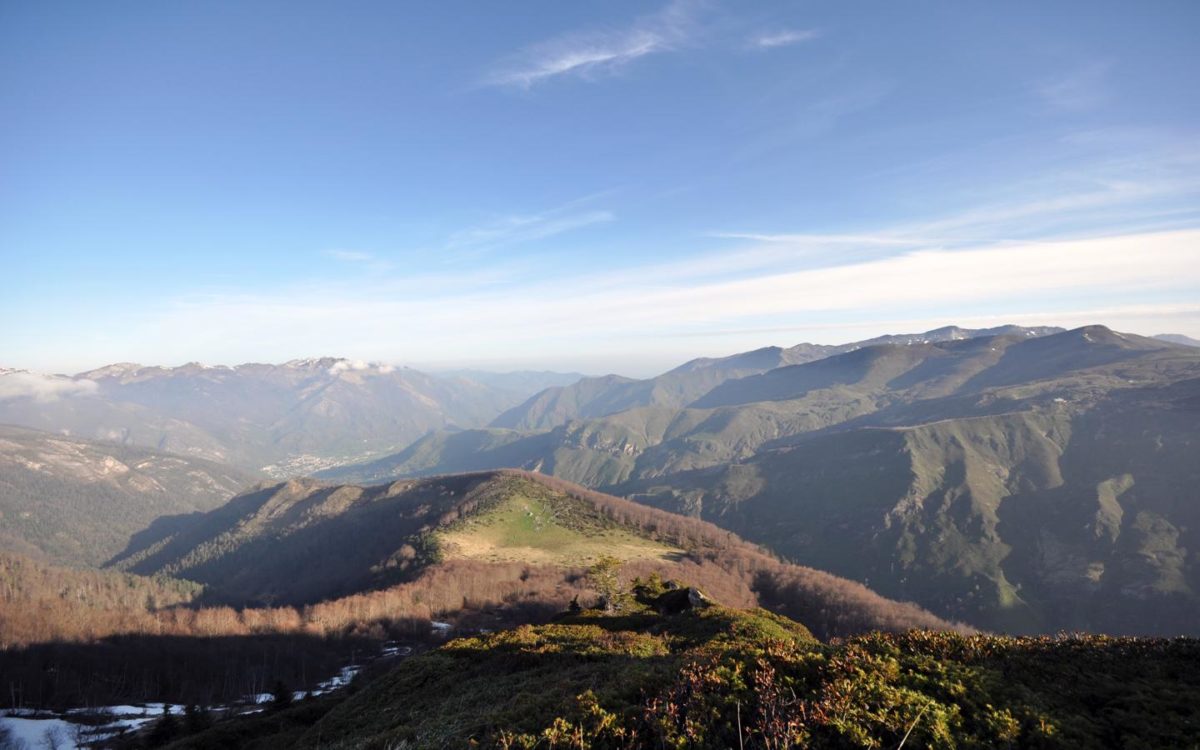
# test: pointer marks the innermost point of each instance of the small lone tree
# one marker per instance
(605, 578)
(165, 729)
(281, 696)
(195, 719)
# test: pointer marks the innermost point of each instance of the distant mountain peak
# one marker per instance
(1101, 335)
(193, 366)
(953, 333)
(115, 370)
(313, 363)
(1178, 338)
(337, 365)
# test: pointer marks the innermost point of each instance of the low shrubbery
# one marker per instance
(715, 677)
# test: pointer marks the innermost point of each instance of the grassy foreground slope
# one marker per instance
(722, 678)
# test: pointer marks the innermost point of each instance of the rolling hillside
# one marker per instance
(494, 526)
(78, 502)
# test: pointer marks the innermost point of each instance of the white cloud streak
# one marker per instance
(953, 269)
(515, 229)
(583, 313)
(589, 54)
(783, 38)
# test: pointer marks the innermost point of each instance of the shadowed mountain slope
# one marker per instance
(77, 502)
(929, 370)
(1061, 516)
(598, 397)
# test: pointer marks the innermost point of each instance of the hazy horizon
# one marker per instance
(583, 366)
(613, 188)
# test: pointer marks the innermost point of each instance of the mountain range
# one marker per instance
(1019, 479)
(284, 420)
(599, 397)
(842, 519)
(1023, 480)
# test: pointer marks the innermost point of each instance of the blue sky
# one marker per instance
(603, 186)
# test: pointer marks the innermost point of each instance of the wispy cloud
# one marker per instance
(516, 229)
(635, 312)
(1047, 210)
(592, 53)
(783, 38)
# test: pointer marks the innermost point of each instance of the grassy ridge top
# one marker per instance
(523, 521)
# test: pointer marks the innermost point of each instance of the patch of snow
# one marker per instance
(157, 708)
(33, 732)
(341, 679)
(342, 365)
(29, 726)
(123, 711)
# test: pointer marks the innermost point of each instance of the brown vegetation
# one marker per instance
(70, 634)
(41, 603)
